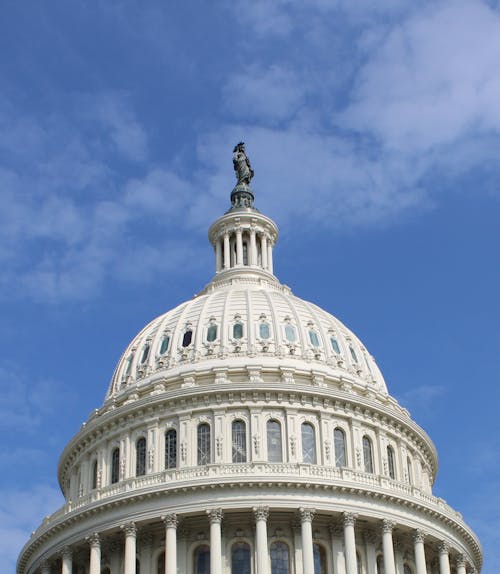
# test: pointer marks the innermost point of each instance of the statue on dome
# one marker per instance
(241, 163)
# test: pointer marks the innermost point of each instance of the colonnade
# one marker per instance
(343, 546)
(229, 250)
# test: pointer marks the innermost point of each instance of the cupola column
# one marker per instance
(261, 514)
(253, 248)
(263, 248)
(95, 554)
(130, 547)
(418, 540)
(218, 255)
(215, 517)
(239, 247)
(270, 257)
(388, 547)
(351, 560)
(227, 251)
(306, 516)
(66, 560)
(170, 521)
(444, 558)
(461, 567)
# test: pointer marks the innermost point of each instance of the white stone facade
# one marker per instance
(248, 429)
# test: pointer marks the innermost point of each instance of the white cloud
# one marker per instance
(433, 80)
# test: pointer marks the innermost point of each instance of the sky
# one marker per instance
(373, 127)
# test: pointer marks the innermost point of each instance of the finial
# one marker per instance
(242, 195)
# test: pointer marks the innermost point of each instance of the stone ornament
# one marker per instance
(261, 512)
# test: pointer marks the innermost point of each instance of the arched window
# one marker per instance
(313, 337)
(367, 454)
(380, 564)
(264, 332)
(240, 558)
(308, 443)
(409, 467)
(94, 475)
(280, 560)
(115, 465)
(319, 559)
(129, 364)
(238, 331)
(274, 452)
(290, 333)
(391, 463)
(353, 354)
(171, 449)
(160, 564)
(339, 447)
(239, 441)
(335, 345)
(165, 342)
(212, 333)
(202, 560)
(187, 338)
(203, 444)
(140, 457)
(145, 353)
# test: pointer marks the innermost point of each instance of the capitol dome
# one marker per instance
(248, 431)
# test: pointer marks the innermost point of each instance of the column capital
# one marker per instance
(66, 553)
(94, 540)
(306, 514)
(388, 526)
(261, 512)
(130, 529)
(460, 561)
(418, 536)
(349, 518)
(170, 520)
(215, 515)
(443, 548)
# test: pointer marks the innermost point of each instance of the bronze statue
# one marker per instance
(241, 163)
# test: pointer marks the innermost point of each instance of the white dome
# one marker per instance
(254, 322)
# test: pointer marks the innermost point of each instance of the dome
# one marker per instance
(259, 323)
(248, 431)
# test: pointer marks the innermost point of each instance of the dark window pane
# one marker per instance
(202, 560)
(186, 340)
(145, 353)
(390, 462)
(237, 331)
(313, 337)
(240, 558)
(274, 452)
(353, 354)
(290, 333)
(115, 466)
(280, 563)
(203, 444)
(140, 453)
(339, 445)
(308, 443)
(211, 333)
(165, 342)
(171, 449)
(367, 454)
(264, 331)
(239, 441)
(160, 565)
(319, 559)
(335, 345)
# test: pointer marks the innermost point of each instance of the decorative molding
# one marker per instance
(94, 540)
(215, 515)
(170, 520)
(349, 518)
(306, 514)
(129, 529)
(261, 512)
(387, 526)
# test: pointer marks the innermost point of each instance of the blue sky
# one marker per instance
(374, 130)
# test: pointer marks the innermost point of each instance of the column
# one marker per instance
(261, 514)
(461, 567)
(130, 546)
(95, 553)
(66, 560)
(239, 247)
(218, 255)
(350, 543)
(306, 516)
(253, 248)
(418, 541)
(45, 567)
(270, 257)
(444, 558)
(387, 546)
(263, 249)
(227, 251)
(215, 518)
(170, 521)
(370, 539)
